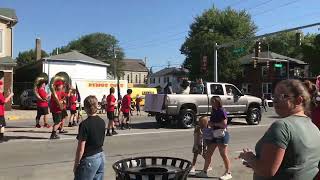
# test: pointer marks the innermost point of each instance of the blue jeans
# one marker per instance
(91, 168)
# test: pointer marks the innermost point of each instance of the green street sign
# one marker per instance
(238, 50)
(278, 65)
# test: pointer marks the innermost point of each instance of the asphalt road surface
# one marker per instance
(30, 155)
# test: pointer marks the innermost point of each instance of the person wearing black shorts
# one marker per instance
(111, 103)
(126, 108)
(73, 108)
(42, 105)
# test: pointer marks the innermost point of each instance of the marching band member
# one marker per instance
(56, 109)
(42, 105)
(3, 100)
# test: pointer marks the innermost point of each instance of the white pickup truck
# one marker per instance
(184, 108)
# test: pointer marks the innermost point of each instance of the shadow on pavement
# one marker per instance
(145, 125)
(238, 123)
(277, 117)
(8, 138)
(193, 176)
(31, 131)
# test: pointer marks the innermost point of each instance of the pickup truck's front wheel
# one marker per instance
(253, 116)
(187, 118)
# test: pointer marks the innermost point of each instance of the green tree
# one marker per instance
(99, 46)
(311, 53)
(27, 57)
(221, 26)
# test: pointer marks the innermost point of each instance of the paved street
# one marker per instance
(30, 155)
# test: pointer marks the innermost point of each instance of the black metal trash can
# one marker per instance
(152, 168)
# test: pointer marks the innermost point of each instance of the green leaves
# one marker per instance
(99, 46)
(219, 26)
(28, 57)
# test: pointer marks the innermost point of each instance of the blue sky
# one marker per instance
(145, 28)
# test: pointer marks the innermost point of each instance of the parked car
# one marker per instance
(184, 108)
(28, 99)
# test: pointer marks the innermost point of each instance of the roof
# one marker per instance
(135, 65)
(272, 57)
(7, 61)
(75, 56)
(8, 14)
(171, 71)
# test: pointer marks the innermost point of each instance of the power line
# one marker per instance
(281, 6)
(152, 43)
(289, 19)
(256, 6)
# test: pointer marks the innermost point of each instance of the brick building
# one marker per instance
(135, 71)
(271, 68)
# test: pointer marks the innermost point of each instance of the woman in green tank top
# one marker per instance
(290, 149)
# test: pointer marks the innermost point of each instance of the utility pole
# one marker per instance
(169, 64)
(114, 62)
(215, 62)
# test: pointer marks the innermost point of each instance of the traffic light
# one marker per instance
(204, 64)
(255, 61)
(298, 39)
(268, 64)
(257, 48)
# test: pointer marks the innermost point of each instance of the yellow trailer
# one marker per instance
(142, 93)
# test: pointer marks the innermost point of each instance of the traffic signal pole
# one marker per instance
(215, 62)
(225, 45)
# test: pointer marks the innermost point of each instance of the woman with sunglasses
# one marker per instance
(290, 149)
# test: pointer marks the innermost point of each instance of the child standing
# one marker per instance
(3, 100)
(201, 133)
(42, 105)
(138, 104)
(73, 108)
(90, 158)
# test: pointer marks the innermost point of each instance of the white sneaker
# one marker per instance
(209, 169)
(226, 176)
(193, 170)
(201, 174)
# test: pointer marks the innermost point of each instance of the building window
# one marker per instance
(246, 88)
(164, 79)
(159, 80)
(139, 78)
(128, 78)
(144, 78)
(264, 71)
(266, 89)
(1, 41)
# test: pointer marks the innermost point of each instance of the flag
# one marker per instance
(78, 94)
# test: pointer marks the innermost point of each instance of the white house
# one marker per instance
(77, 65)
(173, 75)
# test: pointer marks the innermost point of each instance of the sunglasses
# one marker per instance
(281, 97)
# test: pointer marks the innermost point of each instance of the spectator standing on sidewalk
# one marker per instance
(218, 123)
(42, 105)
(110, 106)
(3, 100)
(290, 148)
(90, 159)
(103, 103)
(138, 104)
(265, 103)
(125, 109)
